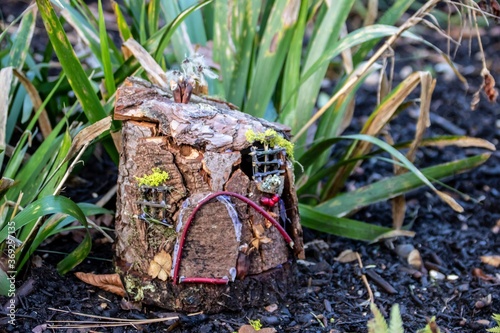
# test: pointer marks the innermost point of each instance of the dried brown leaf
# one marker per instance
(489, 87)
(414, 259)
(450, 201)
(108, 282)
(347, 256)
(478, 272)
(160, 266)
(493, 260)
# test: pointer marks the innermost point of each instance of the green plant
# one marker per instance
(274, 70)
(379, 325)
(496, 329)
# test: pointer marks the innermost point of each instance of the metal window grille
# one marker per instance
(266, 162)
(153, 203)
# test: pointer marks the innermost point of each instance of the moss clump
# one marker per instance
(134, 286)
(156, 178)
(273, 139)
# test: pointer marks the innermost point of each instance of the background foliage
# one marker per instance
(271, 57)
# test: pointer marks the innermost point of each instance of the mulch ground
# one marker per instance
(454, 285)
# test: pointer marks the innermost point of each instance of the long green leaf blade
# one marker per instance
(106, 58)
(312, 218)
(77, 78)
(394, 186)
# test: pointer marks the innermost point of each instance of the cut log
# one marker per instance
(175, 155)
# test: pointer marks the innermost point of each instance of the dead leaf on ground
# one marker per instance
(250, 329)
(347, 256)
(478, 272)
(108, 282)
(491, 260)
(414, 259)
(160, 266)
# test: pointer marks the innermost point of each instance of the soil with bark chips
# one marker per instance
(330, 295)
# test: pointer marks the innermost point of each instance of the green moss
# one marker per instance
(256, 324)
(156, 178)
(273, 139)
(134, 286)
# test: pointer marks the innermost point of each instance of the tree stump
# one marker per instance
(206, 220)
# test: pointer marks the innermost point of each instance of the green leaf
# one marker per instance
(394, 186)
(77, 78)
(378, 324)
(46, 206)
(326, 35)
(106, 58)
(312, 218)
(4, 284)
(159, 41)
(396, 324)
(22, 41)
(123, 27)
(390, 17)
(271, 55)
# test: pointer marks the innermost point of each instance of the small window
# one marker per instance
(267, 162)
(153, 204)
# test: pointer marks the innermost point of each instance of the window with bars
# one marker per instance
(153, 204)
(267, 162)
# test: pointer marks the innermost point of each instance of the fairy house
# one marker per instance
(207, 215)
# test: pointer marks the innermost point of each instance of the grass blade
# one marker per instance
(22, 42)
(271, 55)
(160, 40)
(345, 203)
(77, 78)
(326, 34)
(339, 226)
(109, 80)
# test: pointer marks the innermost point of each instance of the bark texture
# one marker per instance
(203, 148)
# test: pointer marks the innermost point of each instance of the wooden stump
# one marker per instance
(175, 250)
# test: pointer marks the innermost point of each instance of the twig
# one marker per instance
(365, 280)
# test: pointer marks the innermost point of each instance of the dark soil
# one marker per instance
(330, 296)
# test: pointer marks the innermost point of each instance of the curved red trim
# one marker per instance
(207, 199)
(202, 280)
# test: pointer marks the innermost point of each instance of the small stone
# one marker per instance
(305, 318)
(271, 308)
(271, 320)
(435, 275)
(328, 305)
